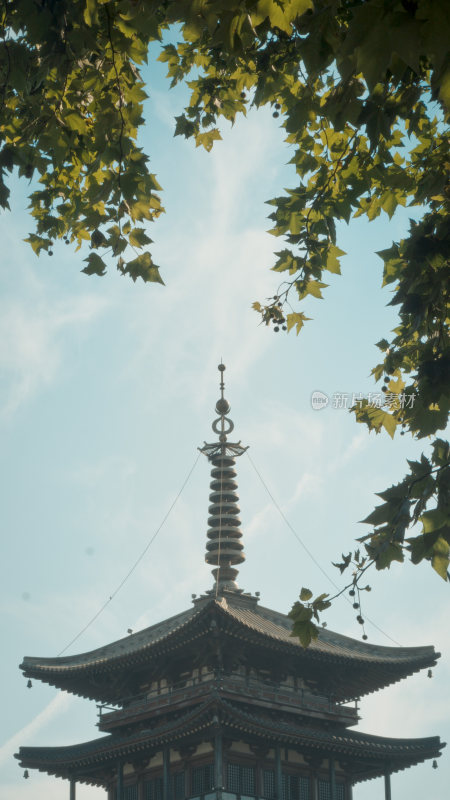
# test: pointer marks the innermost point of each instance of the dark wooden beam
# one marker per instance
(314, 786)
(332, 770)
(166, 774)
(218, 761)
(387, 786)
(278, 774)
(119, 781)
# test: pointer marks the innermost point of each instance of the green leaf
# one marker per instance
(375, 418)
(91, 14)
(444, 89)
(138, 238)
(295, 223)
(296, 320)
(280, 15)
(303, 627)
(38, 243)
(98, 239)
(440, 558)
(300, 613)
(314, 288)
(184, 127)
(305, 594)
(333, 255)
(95, 265)
(306, 632)
(154, 183)
(392, 552)
(434, 520)
(383, 513)
(321, 604)
(143, 267)
(76, 122)
(441, 452)
(420, 548)
(389, 203)
(346, 559)
(207, 139)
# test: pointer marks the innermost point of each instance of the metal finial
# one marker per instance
(224, 548)
(222, 407)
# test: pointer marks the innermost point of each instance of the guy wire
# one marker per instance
(133, 567)
(308, 552)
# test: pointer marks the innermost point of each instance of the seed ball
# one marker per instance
(383, 389)
(275, 114)
(276, 329)
(50, 252)
(243, 95)
(387, 379)
(364, 636)
(355, 605)
(352, 592)
(277, 106)
(284, 328)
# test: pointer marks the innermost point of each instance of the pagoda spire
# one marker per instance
(224, 548)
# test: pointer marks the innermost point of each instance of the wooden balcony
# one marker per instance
(248, 691)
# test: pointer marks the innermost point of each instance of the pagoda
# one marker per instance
(220, 701)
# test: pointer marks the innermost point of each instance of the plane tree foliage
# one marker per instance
(362, 90)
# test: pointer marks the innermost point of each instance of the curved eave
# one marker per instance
(363, 668)
(358, 668)
(368, 755)
(84, 760)
(88, 674)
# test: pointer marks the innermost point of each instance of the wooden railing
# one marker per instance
(234, 686)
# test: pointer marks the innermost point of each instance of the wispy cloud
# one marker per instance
(32, 342)
(91, 474)
(216, 258)
(54, 709)
(309, 484)
(357, 443)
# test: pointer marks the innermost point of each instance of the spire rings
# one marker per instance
(221, 421)
(224, 548)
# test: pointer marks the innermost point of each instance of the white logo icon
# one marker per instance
(319, 400)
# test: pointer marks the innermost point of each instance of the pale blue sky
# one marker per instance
(107, 389)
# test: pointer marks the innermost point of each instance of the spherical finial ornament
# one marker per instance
(222, 406)
(221, 368)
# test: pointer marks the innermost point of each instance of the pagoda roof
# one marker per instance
(358, 667)
(367, 755)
